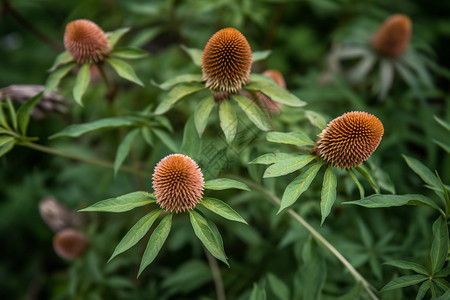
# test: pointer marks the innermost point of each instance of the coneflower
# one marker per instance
(393, 36)
(85, 41)
(70, 243)
(350, 139)
(178, 183)
(226, 61)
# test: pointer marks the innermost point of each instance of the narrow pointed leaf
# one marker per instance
(166, 139)
(62, 59)
(316, 119)
(358, 184)
(328, 195)
(124, 70)
(3, 120)
(195, 54)
(4, 139)
(270, 158)
(129, 53)
(442, 123)
(443, 273)
(224, 184)
(291, 138)
(205, 234)
(258, 292)
(288, 165)
(81, 83)
(442, 283)
(202, 113)
(424, 287)
(192, 144)
(102, 124)
(366, 174)
(185, 78)
(55, 77)
(260, 55)
(423, 172)
(404, 281)
(24, 112)
(275, 92)
(278, 287)
(114, 36)
(314, 270)
(228, 120)
(299, 185)
(156, 241)
(253, 112)
(136, 233)
(12, 113)
(222, 209)
(124, 149)
(408, 265)
(439, 248)
(386, 77)
(122, 203)
(6, 147)
(176, 94)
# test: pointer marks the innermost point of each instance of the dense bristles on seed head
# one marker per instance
(178, 183)
(85, 41)
(350, 139)
(393, 36)
(226, 61)
(70, 243)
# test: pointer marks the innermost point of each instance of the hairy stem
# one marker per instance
(275, 200)
(214, 266)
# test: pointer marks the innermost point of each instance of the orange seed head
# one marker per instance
(85, 41)
(350, 139)
(178, 183)
(69, 243)
(226, 61)
(393, 36)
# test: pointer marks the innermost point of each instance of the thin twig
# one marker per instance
(218, 283)
(275, 200)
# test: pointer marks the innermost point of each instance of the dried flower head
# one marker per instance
(178, 183)
(393, 36)
(350, 139)
(85, 41)
(70, 243)
(226, 61)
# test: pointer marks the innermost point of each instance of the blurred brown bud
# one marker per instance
(393, 36)
(70, 243)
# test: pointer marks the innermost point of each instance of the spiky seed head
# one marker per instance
(85, 41)
(70, 243)
(393, 36)
(178, 183)
(226, 61)
(350, 139)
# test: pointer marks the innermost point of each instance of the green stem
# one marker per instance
(215, 270)
(275, 200)
(92, 161)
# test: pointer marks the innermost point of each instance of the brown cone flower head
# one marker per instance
(70, 243)
(85, 41)
(393, 36)
(349, 139)
(178, 183)
(226, 61)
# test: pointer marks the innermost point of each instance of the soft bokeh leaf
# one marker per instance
(122, 203)
(123, 149)
(62, 59)
(191, 144)
(81, 83)
(12, 113)
(55, 77)
(184, 78)
(224, 184)
(314, 271)
(408, 265)
(260, 55)
(166, 139)
(114, 36)
(124, 70)
(404, 281)
(439, 248)
(270, 158)
(222, 209)
(195, 54)
(7, 146)
(275, 92)
(129, 53)
(258, 293)
(253, 112)
(228, 120)
(176, 94)
(316, 119)
(288, 165)
(202, 113)
(297, 138)
(24, 112)
(278, 287)
(328, 194)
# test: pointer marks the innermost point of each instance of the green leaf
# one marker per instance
(62, 59)
(81, 83)
(129, 53)
(358, 184)
(102, 124)
(202, 113)
(288, 165)
(299, 185)
(195, 54)
(424, 287)
(314, 271)
(274, 92)
(442, 123)
(55, 77)
(316, 119)
(442, 283)
(260, 55)
(228, 120)
(408, 265)
(278, 287)
(147, 136)
(328, 195)
(5, 139)
(12, 113)
(3, 121)
(206, 235)
(253, 112)
(156, 241)
(365, 173)
(439, 248)
(445, 147)
(270, 158)
(136, 233)
(386, 77)
(124, 149)
(258, 293)
(185, 78)
(297, 138)
(377, 201)
(176, 94)
(6, 147)
(443, 273)
(166, 139)
(122, 203)
(224, 184)
(423, 172)
(191, 144)
(404, 281)
(24, 112)
(222, 209)
(114, 36)
(124, 70)
(444, 296)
